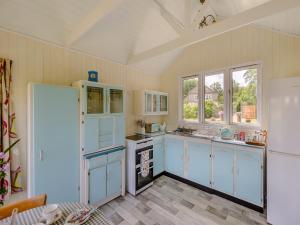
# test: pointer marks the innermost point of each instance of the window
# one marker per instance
(214, 98)
(244, 95)
(229, 96)
(190, 99)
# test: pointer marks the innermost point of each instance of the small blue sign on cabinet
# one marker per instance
(93, 75)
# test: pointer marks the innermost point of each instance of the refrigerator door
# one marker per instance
(284, 116)
(283, 189)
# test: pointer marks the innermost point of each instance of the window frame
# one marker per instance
(228, 112)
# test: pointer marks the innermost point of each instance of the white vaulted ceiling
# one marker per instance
(129, 27)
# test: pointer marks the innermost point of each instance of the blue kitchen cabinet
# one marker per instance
(174, 156)
(199, 163)
(91, 135)
(97, 183)
(105, 176)
(54, 142)
(120, 131)
(223, 168)
(249, 175)
(106, 132)
(114, 173)
(158, 158)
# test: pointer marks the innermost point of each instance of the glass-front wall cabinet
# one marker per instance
(149, 102)
(95, 100)
(116, 97)
(163, 103)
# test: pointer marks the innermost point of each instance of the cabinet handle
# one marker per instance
(41, 155)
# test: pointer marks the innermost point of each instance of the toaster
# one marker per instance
(151, 127)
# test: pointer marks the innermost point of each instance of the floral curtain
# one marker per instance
(10, 179)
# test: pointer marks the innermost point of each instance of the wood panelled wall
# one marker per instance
(278, 53)
(36, 61)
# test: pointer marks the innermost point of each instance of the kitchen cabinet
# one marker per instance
(149, 102)
(249, 175)
(174, 156)
(105, 176)
(115, 100)
(98, 99)
(53, 140)
(97, 179)
(223, 168)
(158, 155)
(199, 162)
(114, 173)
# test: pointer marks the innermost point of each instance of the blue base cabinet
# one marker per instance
(174, 161)
(223, 168)
(97, 179)
(249, 175)
(199, 162)
(104, 176)
(158, 155)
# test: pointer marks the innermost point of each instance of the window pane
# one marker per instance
(214, 98)
(244, 93)
(190, 99)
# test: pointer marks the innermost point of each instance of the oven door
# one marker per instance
(138, 154)
(143, 181)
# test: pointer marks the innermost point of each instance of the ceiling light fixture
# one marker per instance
(207, 20)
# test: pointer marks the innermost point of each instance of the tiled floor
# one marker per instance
(170, 202)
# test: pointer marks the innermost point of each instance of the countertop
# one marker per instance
(214, 139)
(154, 134)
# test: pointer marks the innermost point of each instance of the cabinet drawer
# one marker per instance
(115, 156)
(97, 162)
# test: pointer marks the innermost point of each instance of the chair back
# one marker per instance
(23, 205)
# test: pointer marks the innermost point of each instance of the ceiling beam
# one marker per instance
(171, 19)
(187, 15)
(103, 9)
(234, 22)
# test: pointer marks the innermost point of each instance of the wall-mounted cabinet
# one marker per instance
(150, 103)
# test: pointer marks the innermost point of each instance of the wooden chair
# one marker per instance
(23, 205)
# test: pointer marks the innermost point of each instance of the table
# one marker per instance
(32, 216)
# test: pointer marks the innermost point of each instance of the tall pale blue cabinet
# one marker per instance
(102, 142)
(76, 142)
(53, 140)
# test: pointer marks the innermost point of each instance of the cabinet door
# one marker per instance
(116, 100)
(119, 131)
(199, 163)
(163, 103)
(249, 175)
(174, 156)
(114, 173)
(223, 168)
(97, 178)
(91, 134)
(114, 178)
(97, 184)
(95, 100)
(158, 158)
(106, 128)
(149, 102)
(55, 142)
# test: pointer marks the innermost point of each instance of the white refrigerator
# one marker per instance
(283, 156)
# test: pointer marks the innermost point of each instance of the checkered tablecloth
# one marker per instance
(32, 216)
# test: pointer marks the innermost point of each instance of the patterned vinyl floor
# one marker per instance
(170, 202)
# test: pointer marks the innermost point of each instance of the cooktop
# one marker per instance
(137, 137)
